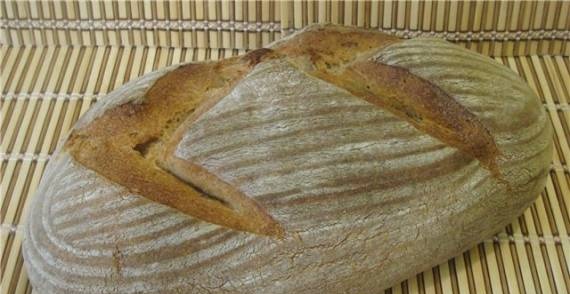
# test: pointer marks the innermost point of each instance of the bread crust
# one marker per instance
(303, 168)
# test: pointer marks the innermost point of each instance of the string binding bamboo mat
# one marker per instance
(54, 66)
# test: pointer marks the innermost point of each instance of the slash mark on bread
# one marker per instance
(422, 104)
(412, 98)
(126, 145)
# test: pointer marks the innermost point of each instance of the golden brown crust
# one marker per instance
(130, 143)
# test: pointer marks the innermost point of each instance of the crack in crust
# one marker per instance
(133, 144)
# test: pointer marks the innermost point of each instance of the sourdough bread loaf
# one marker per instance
(337, 160)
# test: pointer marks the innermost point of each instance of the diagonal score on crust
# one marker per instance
(422, 104)
(132, 144)
(125, 144)
(410, 97)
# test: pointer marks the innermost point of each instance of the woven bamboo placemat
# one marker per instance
(58, 58)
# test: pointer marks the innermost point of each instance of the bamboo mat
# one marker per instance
(58, 58)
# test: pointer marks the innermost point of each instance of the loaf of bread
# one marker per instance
(337, 160)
